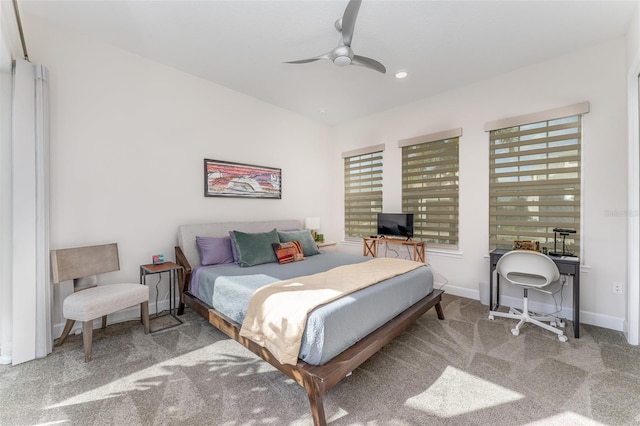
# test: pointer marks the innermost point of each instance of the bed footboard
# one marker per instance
(318, 379)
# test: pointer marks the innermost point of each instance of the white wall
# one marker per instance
(129, 136)
(597, 75)
(128, 139)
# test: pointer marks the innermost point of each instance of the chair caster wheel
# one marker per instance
(491, 317)
(515, 331)
(561, 324)
(553, 324)
(562, 338)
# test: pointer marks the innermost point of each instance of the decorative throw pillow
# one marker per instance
(288, 252)
(234, 253)
(214, 250)
(255, 248)
(309, 247)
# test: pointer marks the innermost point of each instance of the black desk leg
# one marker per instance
(496, 305)
(576, 304)
(491, 288)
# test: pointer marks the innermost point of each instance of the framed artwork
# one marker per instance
(225, 179)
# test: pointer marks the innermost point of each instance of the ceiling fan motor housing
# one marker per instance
(342, 55)
(342, 60)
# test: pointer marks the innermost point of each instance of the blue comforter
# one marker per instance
(331, 328)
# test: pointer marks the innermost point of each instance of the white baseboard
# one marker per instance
(459, 291)
(586, 317)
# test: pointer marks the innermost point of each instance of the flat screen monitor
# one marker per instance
(395, 224)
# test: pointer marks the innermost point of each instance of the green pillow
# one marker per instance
(309, 247)
(255, 248)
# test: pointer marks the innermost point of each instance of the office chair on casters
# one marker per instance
(531, 270)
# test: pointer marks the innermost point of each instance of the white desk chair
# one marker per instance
(531, 270)
(90, 301)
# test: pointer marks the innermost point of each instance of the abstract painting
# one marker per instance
(225, 179)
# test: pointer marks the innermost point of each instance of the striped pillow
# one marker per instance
(288, 252)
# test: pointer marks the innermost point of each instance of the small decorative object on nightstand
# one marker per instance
(327, 246)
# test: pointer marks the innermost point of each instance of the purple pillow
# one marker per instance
(214, 250)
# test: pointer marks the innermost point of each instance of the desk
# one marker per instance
(566, 265)
(370, 246)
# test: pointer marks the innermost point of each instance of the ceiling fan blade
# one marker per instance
(306, 61)
(369, 63)
(303, 61)
(349, 21)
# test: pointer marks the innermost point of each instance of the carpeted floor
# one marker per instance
(465, 370)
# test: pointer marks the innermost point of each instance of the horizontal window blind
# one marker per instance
(430, 190)
(362, 194)
(535, 182)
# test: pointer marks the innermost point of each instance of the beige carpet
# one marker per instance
(465, 370)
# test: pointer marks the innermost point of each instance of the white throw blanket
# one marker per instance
(277, 313)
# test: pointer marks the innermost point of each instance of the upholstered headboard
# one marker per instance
(187, 233)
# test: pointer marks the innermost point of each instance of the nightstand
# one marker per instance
(172, 269)
(327, 246)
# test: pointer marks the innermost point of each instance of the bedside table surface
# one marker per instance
(161, 267)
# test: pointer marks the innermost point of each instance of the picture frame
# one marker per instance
(239, 180)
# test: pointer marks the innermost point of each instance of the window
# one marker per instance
(534, 180)
(430, 186)
(362, 191)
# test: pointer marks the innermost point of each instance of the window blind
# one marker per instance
(362, 193)
(535, 182)
(430, 189)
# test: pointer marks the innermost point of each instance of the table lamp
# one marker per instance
(313, 224)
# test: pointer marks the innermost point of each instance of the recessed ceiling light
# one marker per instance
(401, 74)
(323, 110)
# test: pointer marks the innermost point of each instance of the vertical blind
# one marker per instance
(362, 193)
(534, 182)
(430, 190)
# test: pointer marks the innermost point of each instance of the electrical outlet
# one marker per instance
(616, 288)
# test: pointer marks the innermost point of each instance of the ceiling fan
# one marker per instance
(343, 54)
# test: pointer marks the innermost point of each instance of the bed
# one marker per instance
(329, 350)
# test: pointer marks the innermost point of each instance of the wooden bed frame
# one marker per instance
(315, 379)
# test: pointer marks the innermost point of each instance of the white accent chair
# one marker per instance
(90, 301)
(531, 270)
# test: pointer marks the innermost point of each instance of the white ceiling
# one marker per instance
(243, 44)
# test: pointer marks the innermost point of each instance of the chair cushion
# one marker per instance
(98, 301)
